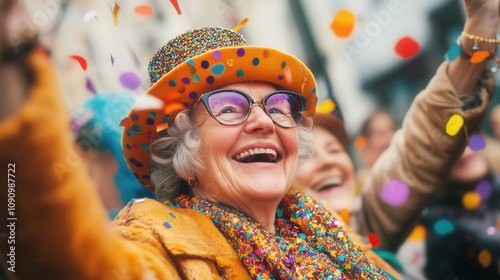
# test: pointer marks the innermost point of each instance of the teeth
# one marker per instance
(257, 151)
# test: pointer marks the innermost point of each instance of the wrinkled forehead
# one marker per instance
(254, 89)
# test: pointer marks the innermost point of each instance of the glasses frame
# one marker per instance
(251, 102)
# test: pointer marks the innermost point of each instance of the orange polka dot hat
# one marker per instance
(196, 62)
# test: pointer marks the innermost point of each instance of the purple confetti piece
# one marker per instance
(491, 230)
(129, 219)
(90, 86)
(130, 80)
(395, 192)
(134, 56)
(167, 225)
(476, 142)
(484, 189)
(112, 60)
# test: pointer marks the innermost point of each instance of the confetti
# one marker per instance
(326, 107)
(172, 215)
(129, 219)
(407, 47)
(130, 80)
(395, 192)
(343, 23)
(483, 189)
(453, 52)
(144, 10)
(498, 223)
(167, 225)
(443, 227)
(374, 240)
(81, 60)
(90, 86)
(240, 25)
(115, 13)
(484, 258)
(126, 122)
(112, 60)
(360, 142)
(89, 15)
(172, 107)
(454, 124)
(176, 6)
(477, 143)
(140, 200)
(471, 201)
(344, 213)
(149, 57)
(479, 56)
(418, 233)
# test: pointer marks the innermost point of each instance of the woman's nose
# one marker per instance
(258, 120)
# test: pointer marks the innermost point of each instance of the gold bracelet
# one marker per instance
(480, 39)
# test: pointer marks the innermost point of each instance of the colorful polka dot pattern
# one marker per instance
(308, 244)
(220, 57)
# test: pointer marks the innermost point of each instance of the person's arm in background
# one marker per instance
(58, 227)
(422, 153)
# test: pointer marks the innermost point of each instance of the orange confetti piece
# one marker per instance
(484, 258)
(498, 223)
(361, 142)
(240, 25)
(176, 6)
(81, 60)
(126, 122)
(149, 57)
(343, 23)
(144, 10)
(471, 200)
(172, 107)
(418, 233)
(479, 56)
(161, 126)
(115, 13)
(344, 213)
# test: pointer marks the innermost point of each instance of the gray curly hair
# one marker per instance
(175, 156)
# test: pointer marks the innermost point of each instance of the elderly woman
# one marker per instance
(218, 137)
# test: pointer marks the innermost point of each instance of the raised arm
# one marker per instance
(422, 153)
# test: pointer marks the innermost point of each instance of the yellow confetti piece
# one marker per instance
(343, 23)
(326, 107)
(485, 258)
(240, 25)
(418, 233)
(115, 13)
(454, 124)
(471, 200)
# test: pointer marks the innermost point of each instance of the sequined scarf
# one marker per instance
(308, 244)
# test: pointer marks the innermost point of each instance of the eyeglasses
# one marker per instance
(232, 107)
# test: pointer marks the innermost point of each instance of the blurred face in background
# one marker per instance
(470, 167)
(329, 175)
(379, 132)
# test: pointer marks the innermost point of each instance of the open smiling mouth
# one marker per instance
(258, 155)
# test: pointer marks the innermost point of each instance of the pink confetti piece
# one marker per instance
(395, 192)
(130, 80)
(491, 230)
(89, 15)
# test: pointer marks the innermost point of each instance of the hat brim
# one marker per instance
(182, 87)
(334, 125)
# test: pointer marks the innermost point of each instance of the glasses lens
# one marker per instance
(228, 107)
(285, 109)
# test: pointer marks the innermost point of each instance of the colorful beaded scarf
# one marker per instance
(308, 244)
